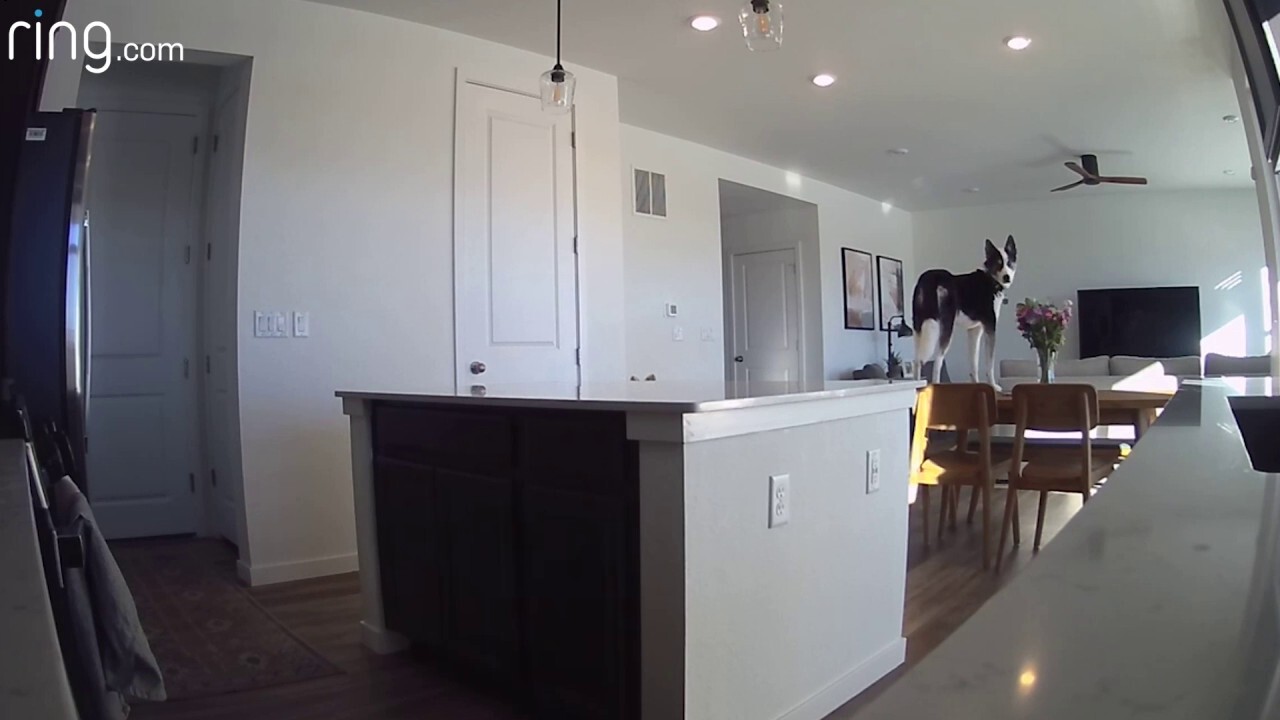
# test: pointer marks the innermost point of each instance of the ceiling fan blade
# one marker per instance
(1068, 187)
(1075, 167)
(1124, 180)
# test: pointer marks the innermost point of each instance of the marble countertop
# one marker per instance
(33, 679)
(656, 397)
(1159, 600)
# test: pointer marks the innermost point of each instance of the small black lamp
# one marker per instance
(902, 330)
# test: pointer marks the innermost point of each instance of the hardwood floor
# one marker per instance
(944, 587)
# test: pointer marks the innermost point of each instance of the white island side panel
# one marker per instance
(791, 622)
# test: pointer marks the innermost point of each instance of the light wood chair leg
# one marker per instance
(924, 508)
(955, 505)
(1010, 510)
(1044, 501)
(946, 507)
(973, 504)
(1017, 522)
(986, 527)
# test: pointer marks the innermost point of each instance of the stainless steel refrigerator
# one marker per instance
(47, 284)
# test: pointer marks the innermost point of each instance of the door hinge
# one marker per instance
(208, 251)
(191, 478)
(208, 365)
(213, 475)
(186, 368)
(217, 140)
(577, 356)
(188, 255)
(573, 139)
(195, 145)
(575, 244)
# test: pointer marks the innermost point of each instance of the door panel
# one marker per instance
(766, 317)
(142, 406)
(516, 271)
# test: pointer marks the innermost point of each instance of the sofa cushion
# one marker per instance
(1019, 368)
(1216, 365)
(1089, 367)
(1128, 366)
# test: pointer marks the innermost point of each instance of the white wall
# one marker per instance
(679, 258)
(1141, 238)
(347, 212)
(793, 224)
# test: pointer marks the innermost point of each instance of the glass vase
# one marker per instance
(1048, 358)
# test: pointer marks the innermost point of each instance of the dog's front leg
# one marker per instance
(989, 344)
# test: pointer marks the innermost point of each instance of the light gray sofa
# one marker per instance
(1107, 366)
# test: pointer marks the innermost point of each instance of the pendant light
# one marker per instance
(558, 84)
(762, 24)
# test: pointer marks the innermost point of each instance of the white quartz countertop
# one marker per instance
(658, 397)
(33, 680)
(1159, 600)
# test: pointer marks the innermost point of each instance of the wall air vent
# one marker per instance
(650, 193)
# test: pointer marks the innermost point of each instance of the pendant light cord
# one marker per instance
(558, 2)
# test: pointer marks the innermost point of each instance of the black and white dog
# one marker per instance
(942, 301)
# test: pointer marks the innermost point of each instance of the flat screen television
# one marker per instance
(1256, 23)
(1144, 322)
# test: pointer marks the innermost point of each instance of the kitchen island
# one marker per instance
(607, 552)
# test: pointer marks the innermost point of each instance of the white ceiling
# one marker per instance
(1142, 83)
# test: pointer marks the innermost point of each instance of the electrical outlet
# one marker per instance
(708, 335)
(873, 471)
(779, 500)
(677, 334)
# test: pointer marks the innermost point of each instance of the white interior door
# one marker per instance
(516, 303)
(142, 403)
(766, 317)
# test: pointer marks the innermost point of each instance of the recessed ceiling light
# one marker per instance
(1230, 118)
(705, 23)
(1018, 42)
(824, 80)
(972, 190)
(900, 151)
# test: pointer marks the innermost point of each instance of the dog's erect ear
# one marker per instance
(993, 254)
(1011, 250)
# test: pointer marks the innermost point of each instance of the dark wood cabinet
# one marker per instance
(508, 547)
(480, 572)
(411, 558)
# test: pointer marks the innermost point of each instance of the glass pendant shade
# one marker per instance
(558, 86)
(762, 24)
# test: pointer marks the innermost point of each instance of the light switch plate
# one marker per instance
(302, 324)
(708, 335)
(873, 471)
(779, 500)
(677, 334)
(261, 325)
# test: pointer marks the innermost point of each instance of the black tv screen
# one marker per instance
(1144, 322)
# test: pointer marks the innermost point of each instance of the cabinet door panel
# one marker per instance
(409, 549)
(574, 565)
(480, 540)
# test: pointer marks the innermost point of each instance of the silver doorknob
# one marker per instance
(738, 359)
(478, 368)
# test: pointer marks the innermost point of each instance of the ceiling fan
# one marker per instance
(1087, 169)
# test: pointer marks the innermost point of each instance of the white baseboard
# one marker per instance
(255, 575)
(849, 685)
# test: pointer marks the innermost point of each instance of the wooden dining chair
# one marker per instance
(959, 408)
(1052, 408)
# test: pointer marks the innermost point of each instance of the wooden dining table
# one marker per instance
(1132, 401)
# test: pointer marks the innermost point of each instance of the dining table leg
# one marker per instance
(1142, 422)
